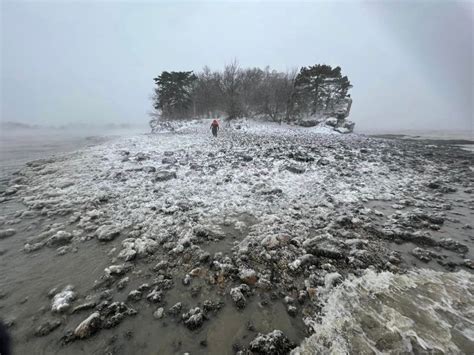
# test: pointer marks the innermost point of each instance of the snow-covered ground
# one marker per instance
(284, 210)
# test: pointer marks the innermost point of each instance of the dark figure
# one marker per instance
(214, 127)
(4, 340)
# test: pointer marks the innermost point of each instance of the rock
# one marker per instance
(141, 156)
(123, 283)
(158, 314)
(116, 270)
(169, 161)
(127, 254)
(176, 309)
(237, 295)
(134, 295)
(47, 327)
(62, 301)
(332, 279)
(5, 233)
(164, 175)
(424, 254)
(295, 169)
(186, 280)
(433, 185)
(60, 238)
(453, 245)
(292, 310)
(209, 306)
(309, 122)
(194, 318)
(88, 326)
(107, 233)
(114, 313)
(331, 121)
(274, 343)
(84, 306)
(155, 296)
(196, 272)
(248, 276)
(149, 169)
(468, 263)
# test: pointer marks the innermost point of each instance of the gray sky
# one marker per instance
(411, 63)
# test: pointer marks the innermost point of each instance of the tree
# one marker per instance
(173, 93)
(231, 88)
(318, 87)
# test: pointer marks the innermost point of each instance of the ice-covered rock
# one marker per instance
(158, 314)
(273, 343)
(108, 232)
(194, 318)
(248, 276)
(59, 239)
(62, 300)
(238, 295)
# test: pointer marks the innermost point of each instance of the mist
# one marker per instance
(94, 63)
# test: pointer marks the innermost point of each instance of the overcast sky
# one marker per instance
(411, 63)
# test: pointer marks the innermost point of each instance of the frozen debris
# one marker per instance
(5, 233)
(62, 300)
(273, 343)
(88, 326)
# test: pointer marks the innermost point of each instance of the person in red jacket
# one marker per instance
(214, 127)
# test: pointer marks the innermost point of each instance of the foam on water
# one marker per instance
(423, 311)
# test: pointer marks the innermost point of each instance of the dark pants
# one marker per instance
(214, 131)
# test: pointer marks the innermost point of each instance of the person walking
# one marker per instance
(214, 127)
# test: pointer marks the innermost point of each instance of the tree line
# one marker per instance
(237, 92)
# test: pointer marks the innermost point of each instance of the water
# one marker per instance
(421, 312)
(17, 147)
